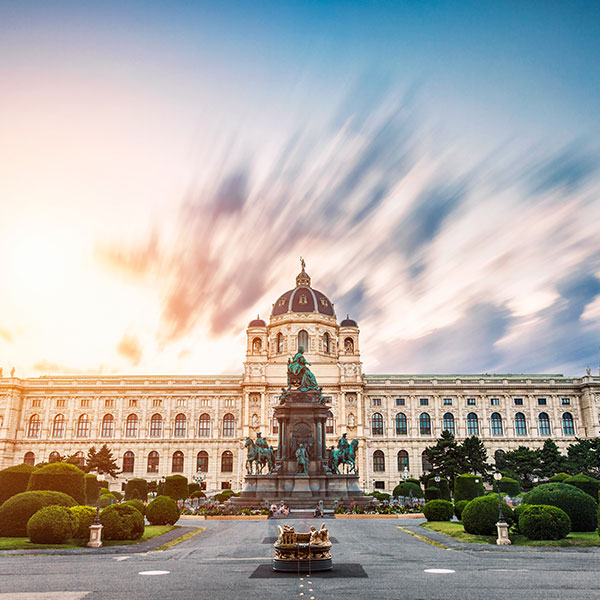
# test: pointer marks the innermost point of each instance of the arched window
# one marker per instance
(79, 459)
(279, 343)
(204, 425)
(153, 462)
(29, 459)
(58, 426)
(402, 461)
(377, 424)
(472, 424)
(326, 343)
(202, 461)
(378, 461)
(228, 425)
(180, 425)
(349, 345)
(567, 424)
(401, 424)
(425, 464)
(108, 426)
(226, 462)
(425, 424)
(544, 423)
(496, 424)
(128, 462)
(520, 424)
(177, 466)
(448, 423)
(156, 426)
(131, 426)
(274, 426)
(256, 345)
(83, 426)
(329, 425)
(498, 455)
(303, 340)
(54, 457)
(34, 426)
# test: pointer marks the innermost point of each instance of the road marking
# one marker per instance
(510, 570)
(154, 572)
(439, 571)
(121, 557)
(44, 596)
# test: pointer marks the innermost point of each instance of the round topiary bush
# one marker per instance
(407, 489)
(192, 487)
(136, 489)
(559, 477)
(16, 511)
(438, 510)
(580, 507)
(121, 522)
(467, 487)
(162, 511)
(432, 493)
(107, 500)
(544, 522)
(459, 507)
(198, 494)
(137, 504)
(14, 480)
(585, 483)
(510, 487)
(84, 517)
(176, 487)
(51, 525)
(60, 477)
(480, 515)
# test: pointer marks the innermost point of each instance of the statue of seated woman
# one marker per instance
(298, 369)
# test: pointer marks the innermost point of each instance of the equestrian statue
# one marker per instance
(260, 454)
(344, 455)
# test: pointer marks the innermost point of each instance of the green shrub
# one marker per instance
(408, 488)
(118, 496)
(467, 487)
(162, 511)
(580, 507)
(413, 480)
(459, 507)
(480, 515)
(107, 500)
(104, 490)
(90, 483)
(558, 478)
(438, 510)
(444, 487)
(510, 486)
(136, 485)
(51, 525)
(588, 484)
(14, 480)
(198, 494)
(84, 517)
(192, 487)
(176, 487)
(544, 522)
(121, 522)
(137, 504)
(16, 511)
(432, 493)
(60, 477)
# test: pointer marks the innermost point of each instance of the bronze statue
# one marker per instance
(299, 373)
(302, 460)
(345, 455)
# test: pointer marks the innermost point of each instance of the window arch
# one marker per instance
(425, 464)
(29, 459)
(228, 425)
(401, 424)
(377, 424)
(131, 426)
(79, 459)
(520, 424)
(54, 457)
(153, 462)
(568, 426)
(34, 426)
(326, 343)
(177, 465)
(496, 424)
(472, 424)
(274, 426)
(544, 424)
(204, 425)
(58, 426)
(403, 461)
(256, 345)
(498, 455)
(279, 343)
(378, 461)
(108, 426)
(227, 462)
(202, 461)
(128, 462)
(425, 424)
(349, 345)
(329, 424)
(448, 422)
(156, 426)
(303, 340)
(83, 426)
(180, 425)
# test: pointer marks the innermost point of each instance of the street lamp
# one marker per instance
(477, 486)
(501, 525)
(95, 540)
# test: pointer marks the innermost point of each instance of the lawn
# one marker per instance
(456, 530)
(23, 543)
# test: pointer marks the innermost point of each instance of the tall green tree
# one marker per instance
(102, 460)
(550, 459)
(584, 457)
(446, 457)
(522, 463)
(475, 457)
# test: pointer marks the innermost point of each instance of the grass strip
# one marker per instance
(423, 538)
(180, 539)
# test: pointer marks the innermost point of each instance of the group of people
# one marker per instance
(282, 510)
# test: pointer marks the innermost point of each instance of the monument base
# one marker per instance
(303, 565)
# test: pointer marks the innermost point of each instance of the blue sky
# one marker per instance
(165, 164)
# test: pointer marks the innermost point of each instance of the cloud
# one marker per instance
(129, 348)
(6, 335)
(48, 367)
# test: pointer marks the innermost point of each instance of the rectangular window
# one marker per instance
(376, 401)
(37, 402)
(518, 401)
(494, 401)
(157, 402)
(204, 402)
(447, 401)
(471, 402)
(61, 403)
(380, 485)
(541, 401)
(85, 403)
(423, 401)
(109, 403)
(180, 402)
(400, 402)
(229, 402)
(132, 402)
(565, 401)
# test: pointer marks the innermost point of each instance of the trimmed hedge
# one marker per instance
(432, 493)
(60, 477)
(136, 485)
(480, 515)
(580, 507)
(162, 511)
(84, 517)
(559, 477)
(467, 488)
(588, 484)
(122, 522)
(16, 511)
(51, 525)
(510, 486)
(438, 510)
(107, 500)
(90, 483)
(198, 494)
(176, 487)
(137, 504)
(14, 480)
(544, 522)
(192, 487)
(408, 488)
(459, 507)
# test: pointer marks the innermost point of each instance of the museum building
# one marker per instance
(162, 425)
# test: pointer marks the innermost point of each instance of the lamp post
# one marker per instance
(501, 525)
(96, 527)
(477, 488)
(405, 473)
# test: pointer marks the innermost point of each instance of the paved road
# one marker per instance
(217, 564)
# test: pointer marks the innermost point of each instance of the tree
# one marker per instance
(584, 457)
(550, 459)
(522, 463)
(475, 457)
(446, 457)
(102, 461)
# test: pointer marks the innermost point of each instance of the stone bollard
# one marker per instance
(503, 539)
(95, 536)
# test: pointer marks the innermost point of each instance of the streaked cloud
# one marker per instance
(129, 347)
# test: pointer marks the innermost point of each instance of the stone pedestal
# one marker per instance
(503, 539)
(95, 536)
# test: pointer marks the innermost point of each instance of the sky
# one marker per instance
(163, 166)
